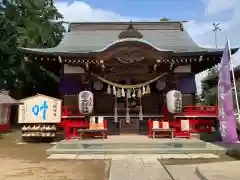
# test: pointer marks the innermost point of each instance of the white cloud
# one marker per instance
(79, 11)
(201, 32)
(217, 6)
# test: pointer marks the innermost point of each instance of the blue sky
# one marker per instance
(200, 14)
(174, 9)
(154, 9)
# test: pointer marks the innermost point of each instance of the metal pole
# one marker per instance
(234, 85)
(215, 38)
(215, 30)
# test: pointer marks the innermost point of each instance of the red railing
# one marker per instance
(71, 127)
(195, 126)
(72, 120)
(200, 120)
(70, 111)
(200, 110)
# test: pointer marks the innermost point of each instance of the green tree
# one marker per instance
(27, 23)
(164, 19)
(209, 91)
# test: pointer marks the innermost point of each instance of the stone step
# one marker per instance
(131, 156)
(136, 151)
(119, 145)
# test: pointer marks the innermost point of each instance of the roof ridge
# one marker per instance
(171, 25)
(127, 22)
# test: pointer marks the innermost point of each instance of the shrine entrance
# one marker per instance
(128, 111)
(131, 127)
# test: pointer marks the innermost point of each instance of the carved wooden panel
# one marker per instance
(129, 52)
(130, 69)
(129, 56)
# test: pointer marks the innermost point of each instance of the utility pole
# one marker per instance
(215, 30)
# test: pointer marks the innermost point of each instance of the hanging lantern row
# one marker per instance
(129, 93)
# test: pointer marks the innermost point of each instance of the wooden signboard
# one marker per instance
(39, 109)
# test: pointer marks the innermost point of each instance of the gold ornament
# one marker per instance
(139, 94)
(118, 93)
(148, 90)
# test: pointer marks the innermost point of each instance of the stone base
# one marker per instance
(133, 145)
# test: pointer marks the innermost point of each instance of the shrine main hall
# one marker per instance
(129, 67)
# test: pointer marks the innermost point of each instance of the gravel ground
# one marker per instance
(28, 162)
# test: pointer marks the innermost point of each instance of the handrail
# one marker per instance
(200, 110)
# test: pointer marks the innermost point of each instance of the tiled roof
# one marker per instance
(96, 37)
(6, 99)
(92, 41)
(237, 69)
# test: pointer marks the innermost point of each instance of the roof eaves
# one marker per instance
(237, 69)
(6, 99)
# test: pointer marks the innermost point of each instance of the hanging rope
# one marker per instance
(128, 86)
(140, 110)
(115, 110)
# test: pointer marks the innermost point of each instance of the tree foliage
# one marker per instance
(164, 19)
(32, 24)
(209, 93)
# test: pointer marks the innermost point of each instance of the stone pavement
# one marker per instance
(148, 167)
(219, 171)
(143, 166)
(183, 172)
(137, 168)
